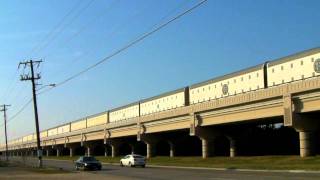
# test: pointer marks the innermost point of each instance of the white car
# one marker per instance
(133, 160)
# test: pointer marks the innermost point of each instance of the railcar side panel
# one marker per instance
(163, 103)
(64, 129)
(77, 125)
(53, 132)
(97, 120)
(230, 86)
(124, 113)
(44, 134)
(296, 69)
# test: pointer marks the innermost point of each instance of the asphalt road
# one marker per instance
(156, 173)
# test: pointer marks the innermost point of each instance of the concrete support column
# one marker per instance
(233, 150)
(172, 149)
(150, 149)
(150, 141)
(89, 153)
(306, 140)
(114, 150)
(132, 148)
(58, 152)
(105, 151)
(47, 152)
(306, 125)
(205, 148)
(114, 144)
(71, 152)
(206, 136)
(71, 148)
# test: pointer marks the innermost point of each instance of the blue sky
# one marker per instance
(220, 37)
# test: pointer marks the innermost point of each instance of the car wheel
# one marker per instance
(77, 168)
(143, 166)
(121, 164)
(131, 164)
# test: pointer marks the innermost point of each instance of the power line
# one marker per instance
(85, 26)
(56, 27)
(113, 54)
(11, 86)
(65, 26)
(113, 32)
(132, 18)
(131, 44)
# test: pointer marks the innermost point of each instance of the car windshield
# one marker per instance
(138, 157)
(89, 159)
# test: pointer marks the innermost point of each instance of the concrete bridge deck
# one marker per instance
(291, 104)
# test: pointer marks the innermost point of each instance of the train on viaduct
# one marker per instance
(201, 119)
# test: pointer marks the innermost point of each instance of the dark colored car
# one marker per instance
(87, 163)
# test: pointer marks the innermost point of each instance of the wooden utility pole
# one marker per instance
(32, 77)
(4, 110)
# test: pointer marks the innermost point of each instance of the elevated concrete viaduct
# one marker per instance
(296, 105)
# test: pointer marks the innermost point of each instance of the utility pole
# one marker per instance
(4, 110)
(32, 77)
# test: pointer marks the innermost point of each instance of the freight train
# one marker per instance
(297, 67)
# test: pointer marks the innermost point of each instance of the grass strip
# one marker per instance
(250, 162)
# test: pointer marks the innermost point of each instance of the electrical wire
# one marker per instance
(139, 39)
(20, 111)
(111, 34)
(13, 84)
(85, 26)
(25, 106)
(65, 26)
(56, 27)
(11, 87)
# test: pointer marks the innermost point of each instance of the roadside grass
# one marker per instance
(258, 162)
(23, 167)
(3, 164)
(247, 162)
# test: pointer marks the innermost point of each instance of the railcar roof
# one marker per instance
(294, 56)
(163, 95)
(227, 76)
(124, 106)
